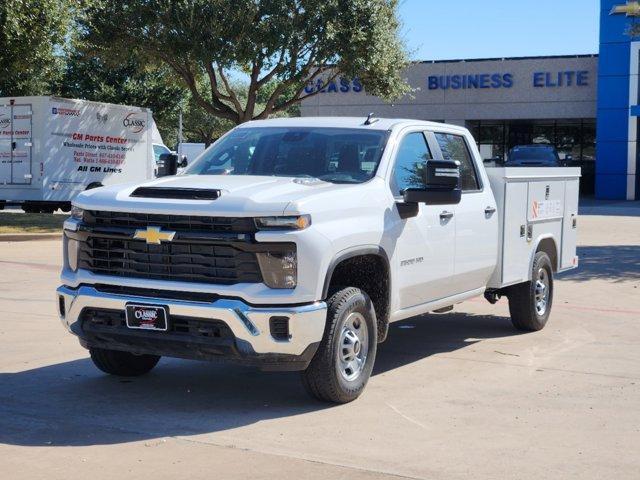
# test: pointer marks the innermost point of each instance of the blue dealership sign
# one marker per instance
(617, 153)
(561, 79)
(570, 78)
(340, 85)
(483, 80)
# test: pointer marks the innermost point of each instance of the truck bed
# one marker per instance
(534, 205)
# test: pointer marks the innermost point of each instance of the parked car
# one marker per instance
(291, 244)
(536, 155)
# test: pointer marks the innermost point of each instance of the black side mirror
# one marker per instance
(167, 164)
(183, 162)
(442, 185)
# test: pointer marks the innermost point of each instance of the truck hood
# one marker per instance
(241, 195)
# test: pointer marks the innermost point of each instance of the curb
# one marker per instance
(27, 237)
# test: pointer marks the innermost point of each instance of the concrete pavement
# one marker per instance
(453, 396)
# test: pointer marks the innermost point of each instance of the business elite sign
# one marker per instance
(570, 78)
(470, 81)
(617, 156)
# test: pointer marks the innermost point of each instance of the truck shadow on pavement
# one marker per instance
(612, 262)
(73, 404)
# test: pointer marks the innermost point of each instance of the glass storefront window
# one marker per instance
(575, 141)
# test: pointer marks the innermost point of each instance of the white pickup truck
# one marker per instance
(291, 244)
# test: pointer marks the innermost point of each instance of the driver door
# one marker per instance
(425, 248)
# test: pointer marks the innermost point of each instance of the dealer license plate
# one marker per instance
(146, 317)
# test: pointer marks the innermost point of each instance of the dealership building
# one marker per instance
(585, 105)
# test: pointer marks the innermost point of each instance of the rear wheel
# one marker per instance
(123, 364)
(343, 363)
(530, 302)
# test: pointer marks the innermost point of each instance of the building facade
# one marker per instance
(504, 102)
(585, 105)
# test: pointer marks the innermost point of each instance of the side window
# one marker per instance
(408, 171)
(454, 147)
(159, 150)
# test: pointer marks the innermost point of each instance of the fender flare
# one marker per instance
(536, 248)
(352, 252)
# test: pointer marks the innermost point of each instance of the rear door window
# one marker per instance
(454, 147)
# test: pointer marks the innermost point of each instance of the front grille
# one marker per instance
(175, 261)
(114, 320)
(178, 223)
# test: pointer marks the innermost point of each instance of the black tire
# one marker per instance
(324, 378)
(123, 364)
(525, 310)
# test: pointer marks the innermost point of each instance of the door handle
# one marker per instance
(446, 215)
(490, 210)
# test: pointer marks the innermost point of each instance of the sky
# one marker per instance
(461, 29)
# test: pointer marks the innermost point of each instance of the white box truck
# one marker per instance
(291, 244)
(53, 148)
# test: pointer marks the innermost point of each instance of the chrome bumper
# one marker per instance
(249, 324)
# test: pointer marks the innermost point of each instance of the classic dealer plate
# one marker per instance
(146, 317)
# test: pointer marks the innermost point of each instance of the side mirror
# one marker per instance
(167, 164)
(442, 185)
(183, 162)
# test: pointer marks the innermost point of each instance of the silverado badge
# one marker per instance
(154, 235)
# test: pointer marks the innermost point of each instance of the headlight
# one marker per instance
(77, 213)
(279, 269)
(294, 222)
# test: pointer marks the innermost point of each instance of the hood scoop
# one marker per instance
(177, 193)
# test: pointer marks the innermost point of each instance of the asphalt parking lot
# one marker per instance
(453, 396)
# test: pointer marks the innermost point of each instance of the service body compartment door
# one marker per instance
(5, 144)
(568, 257)
(515, 247)
(15, 145)
(21, 173)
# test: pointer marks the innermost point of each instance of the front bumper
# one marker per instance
(250, 341)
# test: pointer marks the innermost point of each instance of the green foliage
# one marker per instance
(128, 83)
(280, 45)
(32, 38)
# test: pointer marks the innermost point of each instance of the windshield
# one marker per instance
(533, 154)
(335, 155)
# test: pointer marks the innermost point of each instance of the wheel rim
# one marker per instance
(542, 292)
(353, 347)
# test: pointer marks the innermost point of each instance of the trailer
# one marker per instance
(52, 148)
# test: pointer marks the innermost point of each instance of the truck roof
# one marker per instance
(344, 122)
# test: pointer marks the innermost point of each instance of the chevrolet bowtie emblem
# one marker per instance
(154, 235)
(631, 9)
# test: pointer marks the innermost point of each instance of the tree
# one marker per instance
(201, 126)
(281, 46)
(128, 82)
(32, 37)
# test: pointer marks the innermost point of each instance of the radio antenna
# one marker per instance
(370, 120)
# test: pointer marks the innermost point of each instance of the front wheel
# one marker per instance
(341, 367)
(123, 364)
(530, 302)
